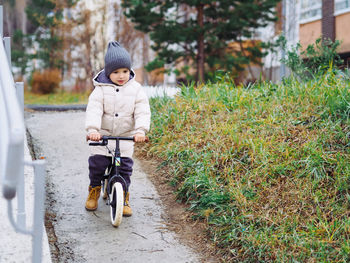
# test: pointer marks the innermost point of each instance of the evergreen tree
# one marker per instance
(44, 35)
(45, 16)
(199, 31)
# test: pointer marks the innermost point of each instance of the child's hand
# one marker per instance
(94, 136)
(139, 137)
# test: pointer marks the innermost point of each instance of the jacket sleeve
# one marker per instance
(94, 111)
(142, 113)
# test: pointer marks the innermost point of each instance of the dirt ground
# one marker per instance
(179, 219)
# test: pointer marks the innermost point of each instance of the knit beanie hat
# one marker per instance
(116, 57)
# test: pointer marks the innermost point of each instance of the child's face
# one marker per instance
(120, 76)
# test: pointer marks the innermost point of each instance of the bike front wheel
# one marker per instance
(116, 198)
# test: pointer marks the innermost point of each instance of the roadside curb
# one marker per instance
(38, 107)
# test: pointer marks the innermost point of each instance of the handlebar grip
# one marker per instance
(95, 143)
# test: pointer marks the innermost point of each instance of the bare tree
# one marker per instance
(86, 31)
(84, 42)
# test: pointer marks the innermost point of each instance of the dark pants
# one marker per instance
(99, 163)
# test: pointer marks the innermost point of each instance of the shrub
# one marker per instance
(316, 59)
(46, 82)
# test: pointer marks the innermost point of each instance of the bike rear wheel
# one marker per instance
(116, 198)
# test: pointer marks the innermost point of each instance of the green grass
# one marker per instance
(268, 168)
(58, 98)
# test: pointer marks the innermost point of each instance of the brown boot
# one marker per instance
(92, 200)
(127, 209)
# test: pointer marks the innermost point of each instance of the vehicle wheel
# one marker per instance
(116, 204)
(104, 188)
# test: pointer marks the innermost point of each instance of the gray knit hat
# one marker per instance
(116, 57)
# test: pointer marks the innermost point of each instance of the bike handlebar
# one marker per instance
(118, 138)
(104, 140)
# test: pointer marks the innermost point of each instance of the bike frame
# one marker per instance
(115, 176)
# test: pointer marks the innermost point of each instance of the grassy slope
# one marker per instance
(268, 167)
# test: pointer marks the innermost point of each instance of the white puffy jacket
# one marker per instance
(117, 111)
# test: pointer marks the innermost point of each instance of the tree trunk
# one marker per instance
(21, 15)
(200, 55)
(8, 24)
(145, 58)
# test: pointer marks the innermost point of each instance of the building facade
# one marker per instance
(304, 21)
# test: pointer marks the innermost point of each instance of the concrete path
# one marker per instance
(84, 236)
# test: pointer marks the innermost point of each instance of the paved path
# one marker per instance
(84, 236)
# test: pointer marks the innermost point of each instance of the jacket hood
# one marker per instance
(102, 79)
